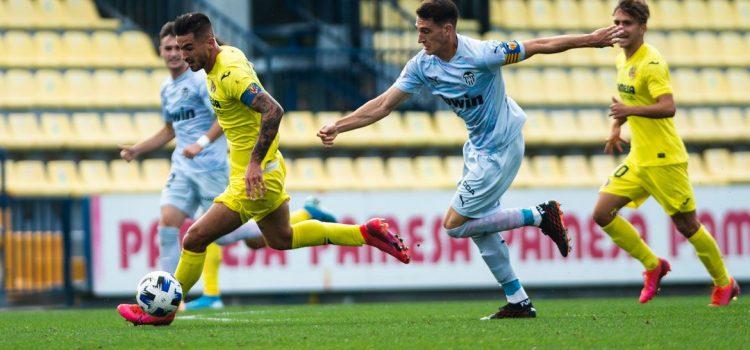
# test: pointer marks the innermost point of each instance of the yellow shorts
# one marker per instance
(235, 198)
(669, 184)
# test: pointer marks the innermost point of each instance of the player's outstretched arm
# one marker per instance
(271, 113)
(372, 111)
(158, 140)
(211, 135)
(599, 38)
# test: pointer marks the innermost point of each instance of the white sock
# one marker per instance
(169, 248)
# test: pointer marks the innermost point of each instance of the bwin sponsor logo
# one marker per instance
(465, 102)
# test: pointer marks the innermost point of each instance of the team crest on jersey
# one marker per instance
(469, 78)
(631, 72)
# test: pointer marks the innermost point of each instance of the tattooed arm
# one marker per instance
(271, 113)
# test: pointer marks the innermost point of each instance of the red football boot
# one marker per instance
(135, 315)
(652, 279)
(721, 296)
(375, 231)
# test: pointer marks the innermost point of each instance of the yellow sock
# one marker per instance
(189, 269)
(299, 216)
(211, 270)
(313, 233)
(708, 251)
(627, 238)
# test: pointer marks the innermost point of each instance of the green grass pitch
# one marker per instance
(616, 323)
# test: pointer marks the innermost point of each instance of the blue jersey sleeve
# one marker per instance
(499, 53)
(410, 80)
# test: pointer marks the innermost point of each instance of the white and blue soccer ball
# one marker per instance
(159, 293)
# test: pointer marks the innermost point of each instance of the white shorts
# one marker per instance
(486, 178)
(187, 190)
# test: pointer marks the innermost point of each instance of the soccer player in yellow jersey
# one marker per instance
(657, 163)
(250, 118)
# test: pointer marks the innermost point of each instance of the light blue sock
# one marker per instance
(497, 257)
(249, 230)
(502, 220)
(169, 248)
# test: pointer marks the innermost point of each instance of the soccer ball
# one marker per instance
(159, 293)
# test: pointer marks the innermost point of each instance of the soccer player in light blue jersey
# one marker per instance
(199, 168)
(466, 74)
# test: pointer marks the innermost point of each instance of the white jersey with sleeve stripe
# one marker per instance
(471, 83)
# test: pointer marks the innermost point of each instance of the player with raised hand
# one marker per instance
(250, 118)
(657, 163)
(466, 74)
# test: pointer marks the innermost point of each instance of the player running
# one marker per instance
(199, 167)
(657, 163)
(250, 118)
(466, 74)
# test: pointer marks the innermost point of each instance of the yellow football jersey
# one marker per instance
(640, 80)
(229, 78)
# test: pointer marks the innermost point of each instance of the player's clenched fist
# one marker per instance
(327, 134)
(128, 153)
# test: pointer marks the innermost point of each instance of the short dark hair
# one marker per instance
(439, 11)
(638, 9)
(166, 30)
(193, 22)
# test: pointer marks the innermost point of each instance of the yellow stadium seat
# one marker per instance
(509, 13)
(688, 89)
(585, 88)
(3, 15)
(402, 174)
(733, 124)
(298, 129)
(20, 14)
(359, 137)
(739, 85)
(309, 174)
(678, 42)
(668, 14)
(325, 118)
(57, 130)
(450, 129)
(592, 125)
(715, 86)
(105, 83)
(547, 170)
(367, 13)
(705, 124)
(341, 173)
(19, 89)
(741, 167)
(697, 170)
(83, 14)
(120, 129)
(126, 176)
(735, 50)
(50, 89)
(564, 124)
(709, 51)
(525, 177)
(390, 131)
(722, 14)
(48, 49)
(371, 173)
(605, 56)
(547, 60)
(29, 177)
(431, 173)
(24, 131)
(576, 171)
(4, 131)
(89, 131)
(557, 87)
(595, 13)
(390, 18)
(576, 58)
(718, 163)
(742, 11)
(567, 14)
(106, 48)
(697, 13)
(50, 14)
(660, 41)
(541, 14)
(79, 89)
(495, 35)
(79, 51)
(3, 49)
(138, 50)
(419, 128)
(602, 165)
(19, 49)
(63, 177)
(95, 176)
(138, 90)
(3, 89)
(454, 168)
(155, 173)
(529, 83)
(147, 124)
(684, 125)
(537, 129)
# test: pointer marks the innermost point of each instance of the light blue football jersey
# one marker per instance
(471, 83)
(185, 104)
